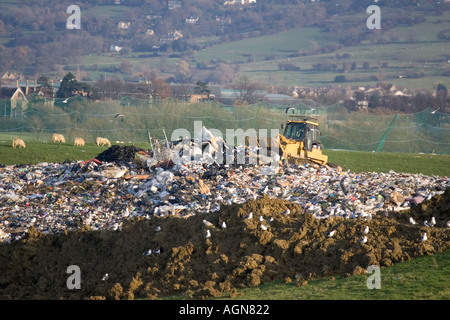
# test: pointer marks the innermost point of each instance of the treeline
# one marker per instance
(415, 102)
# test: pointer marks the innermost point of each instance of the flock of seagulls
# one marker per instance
(156, 251)
(432, 222)
(263, 226)
(429, 224)
(363, 238)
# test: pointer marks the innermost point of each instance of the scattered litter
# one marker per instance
(118, 184)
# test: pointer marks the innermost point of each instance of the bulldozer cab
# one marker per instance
(303, 130)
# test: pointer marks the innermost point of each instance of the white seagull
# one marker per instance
(424, 237)
(432, 222)
(158, 228)
(261, 218)
(208, 234)
(249, 216)
(448, 224)
(434, 111)
(286, 212)
(411, 220)
(105, 277)
(119, 115)
(224, 225)
(363, 239)
(208, 224)
(263, 227)
(331, 233)
(366, 230)
(148, 252)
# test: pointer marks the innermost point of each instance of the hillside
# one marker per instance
(277, 43)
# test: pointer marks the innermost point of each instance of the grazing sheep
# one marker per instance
(18, 143)
(79, 142)
(58, 138)
(102, 142)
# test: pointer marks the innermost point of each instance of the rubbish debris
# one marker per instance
(62, 195)
(187, 181)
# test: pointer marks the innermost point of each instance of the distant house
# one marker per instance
(124, 25)
(223, 20)
(192, 20)
(9, 76)
(173, 4)
(115, 48)
(15, 101)
(171, 36)
(243, 2)
(149, 32)
(187, 93)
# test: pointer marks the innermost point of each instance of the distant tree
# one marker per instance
(125, 66)
(222, 73)
(68, 85)
(182, 73)
(246, 91)
(340, 79)
(160, 88)
(201, 88)
(44, 82)
(285, 66)
(441, 90)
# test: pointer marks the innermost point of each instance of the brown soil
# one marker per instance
(294, 247)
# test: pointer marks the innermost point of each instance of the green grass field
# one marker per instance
(423, 278)
(403, 50)
(356, 161)
(280, 45)
(36, 152)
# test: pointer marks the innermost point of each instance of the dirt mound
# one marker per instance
(293, 247)
(117, 153)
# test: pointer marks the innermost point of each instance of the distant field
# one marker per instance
(355, 161)
(415, 50)
(36, 152)
(404, 50)
(280, 45)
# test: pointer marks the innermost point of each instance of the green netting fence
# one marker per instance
(132, 120)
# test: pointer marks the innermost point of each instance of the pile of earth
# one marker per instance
(295, 247)
(118, 153)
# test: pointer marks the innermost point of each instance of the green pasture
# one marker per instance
(358, 161)
(355, 161)
(280, 44)
(422, 278)
(403, 50)
(38, 151)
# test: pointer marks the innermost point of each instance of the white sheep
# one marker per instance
(102, 142)
(17, 142)
(58, 138)
(79, 142)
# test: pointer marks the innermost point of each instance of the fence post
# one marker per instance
(386, 133)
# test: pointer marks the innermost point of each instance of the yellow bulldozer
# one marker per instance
(300, 142)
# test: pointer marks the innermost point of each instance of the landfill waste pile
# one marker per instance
(118, 153)
(147, 226)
